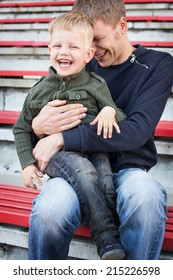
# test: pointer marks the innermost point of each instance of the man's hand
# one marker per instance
(46, 148)
(105, 121)
(57, 116)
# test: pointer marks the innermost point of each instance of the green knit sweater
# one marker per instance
(88, 89)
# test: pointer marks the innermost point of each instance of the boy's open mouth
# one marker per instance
(64, 62)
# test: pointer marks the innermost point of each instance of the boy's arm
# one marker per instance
(105, 121)
(22, 134)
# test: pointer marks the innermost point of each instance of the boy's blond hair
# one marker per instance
(72, 20)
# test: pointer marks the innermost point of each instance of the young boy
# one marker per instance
(70, 49)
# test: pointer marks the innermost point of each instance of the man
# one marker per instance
(140, 82)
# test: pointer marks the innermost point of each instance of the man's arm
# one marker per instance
(141, 121)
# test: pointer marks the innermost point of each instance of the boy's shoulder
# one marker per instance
(98, 79)
(39, 81)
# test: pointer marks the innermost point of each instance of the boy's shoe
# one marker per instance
(111, 249)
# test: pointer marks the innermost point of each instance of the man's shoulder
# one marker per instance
(155, 56)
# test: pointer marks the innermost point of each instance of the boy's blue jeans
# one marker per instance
(141, 206)
(90, 175)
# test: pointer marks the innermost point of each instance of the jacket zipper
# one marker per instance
(62, 85)
(133, 59)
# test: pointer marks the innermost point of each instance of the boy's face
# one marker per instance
(69, 51)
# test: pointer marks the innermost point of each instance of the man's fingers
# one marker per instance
(42, 165)
(69, 126)
(56, 103)
(67, 111)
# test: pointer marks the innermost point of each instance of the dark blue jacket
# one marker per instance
(140, 87)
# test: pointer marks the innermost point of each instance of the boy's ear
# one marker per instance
(89, 55)
(49, 48)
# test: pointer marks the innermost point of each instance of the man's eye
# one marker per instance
(97, 39)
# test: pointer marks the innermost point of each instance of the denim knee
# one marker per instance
(141, 206)
(142, 191)
(54, 219)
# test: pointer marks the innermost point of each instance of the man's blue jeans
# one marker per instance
(141, 205)
(90, 175)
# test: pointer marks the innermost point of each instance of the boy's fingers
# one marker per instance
(94, 121)
(117, 127)
(110, 131)
(105, 130)
(39, 174)
(38, 181)
(30, 184)
(99, 128)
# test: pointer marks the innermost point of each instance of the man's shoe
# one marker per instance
(111, 249)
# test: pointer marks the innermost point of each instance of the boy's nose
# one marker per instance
(63, 50)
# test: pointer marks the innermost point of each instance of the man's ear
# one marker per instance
(123, 24)
(89, 55)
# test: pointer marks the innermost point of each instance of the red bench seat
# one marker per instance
(16, 203)
(68, 3)
(163, 129)
(20, 44)
(8, 117)
(46, 20)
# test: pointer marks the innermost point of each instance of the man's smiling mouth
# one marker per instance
(100, 55)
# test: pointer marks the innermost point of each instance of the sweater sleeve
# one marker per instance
(141, 121)
(102, 94)
(22, 134)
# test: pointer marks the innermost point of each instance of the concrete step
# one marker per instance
(14, 246)
(10, 93)
(43, 51)
(13, 63)
(42, 35)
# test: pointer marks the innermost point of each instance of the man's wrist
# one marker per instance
(72, 140)
(60, 141)
(36, 129)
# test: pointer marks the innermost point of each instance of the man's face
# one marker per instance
(107, 42)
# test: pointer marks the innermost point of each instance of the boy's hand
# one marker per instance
(106, 122)
(29, 173)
